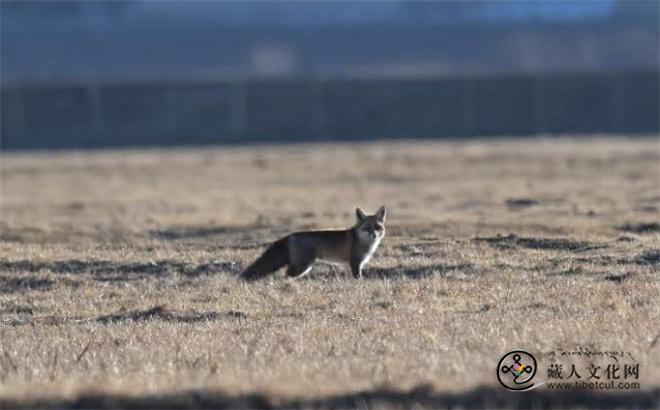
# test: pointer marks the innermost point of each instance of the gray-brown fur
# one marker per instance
(299, 250)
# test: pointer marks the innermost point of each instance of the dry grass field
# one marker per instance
(117, 286)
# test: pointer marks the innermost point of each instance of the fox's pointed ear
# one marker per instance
(381, 214)
(360, 215)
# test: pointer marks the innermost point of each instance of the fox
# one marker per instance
(299, 250)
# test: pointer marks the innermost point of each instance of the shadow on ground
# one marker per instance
(457, 271)
(650, 257)
(420, 397)
(419, 272)
(188, 232)
(243, 237)
(161, 313)
(12, 285)
(643, 227)
(551, 244)
(105, 270)
(156, 313)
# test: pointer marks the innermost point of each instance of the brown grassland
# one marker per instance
(117, 272)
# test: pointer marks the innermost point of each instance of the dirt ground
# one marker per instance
(117, 273)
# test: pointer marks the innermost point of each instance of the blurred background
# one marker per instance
(90, 74)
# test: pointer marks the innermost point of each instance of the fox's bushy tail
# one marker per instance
(273, 258)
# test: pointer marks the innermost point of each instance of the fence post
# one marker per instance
(19, 117)
(617, 103)
(238, 110)
(174, 95)
(97, 125)
(319, 117)
(539, 105)
(468, 107)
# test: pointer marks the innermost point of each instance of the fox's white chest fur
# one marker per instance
(369, 243)
(368, 246)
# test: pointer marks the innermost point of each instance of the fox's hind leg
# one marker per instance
(298, 272)
(301, 265)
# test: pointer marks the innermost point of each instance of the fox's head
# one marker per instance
(371, 227)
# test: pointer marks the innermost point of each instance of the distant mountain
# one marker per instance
(313, 14)
(137, 40)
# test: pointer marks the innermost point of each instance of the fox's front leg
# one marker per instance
(356, 268)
